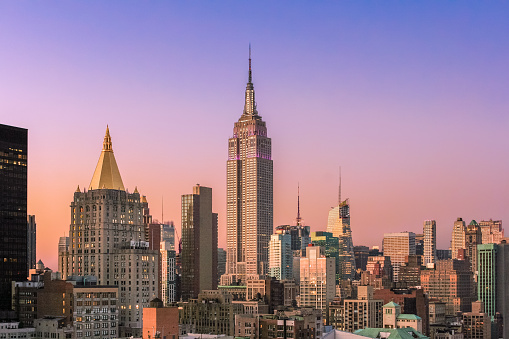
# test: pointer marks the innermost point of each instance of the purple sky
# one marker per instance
(410, 98)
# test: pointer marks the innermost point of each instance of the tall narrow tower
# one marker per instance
(249, 194)
(339, 225)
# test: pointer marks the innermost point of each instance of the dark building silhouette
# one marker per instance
(13, 210)
(199, 243)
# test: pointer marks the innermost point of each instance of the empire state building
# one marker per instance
(249, 194)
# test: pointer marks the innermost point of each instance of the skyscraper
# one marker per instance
(280, 256)
(13, 209)
(339, 225)
(458, 237)
(473, 237)
(63, 256)
(199, 243)
(31, 242)
(430, 242)
(487, 278)
(398, 246)
(109, 240)
(249, 194)
(317, 279)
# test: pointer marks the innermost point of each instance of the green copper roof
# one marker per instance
(394, 333)
(409, 317)
(391, 304)
(473, 223)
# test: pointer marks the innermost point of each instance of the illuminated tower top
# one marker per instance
(106, 174)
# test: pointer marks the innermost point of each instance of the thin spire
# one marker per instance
(298, 205)
(107, 140)
(250, 74)
(339, 193)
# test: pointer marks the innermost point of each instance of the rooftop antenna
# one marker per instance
(250, 78)
(298, 205)
(162, 209)
(339, 194)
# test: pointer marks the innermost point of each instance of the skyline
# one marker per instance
(419, 107)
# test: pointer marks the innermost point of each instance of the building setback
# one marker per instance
(13, 209)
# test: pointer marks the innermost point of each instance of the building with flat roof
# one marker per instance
(398, 246)
(13, 209)
(199, 243)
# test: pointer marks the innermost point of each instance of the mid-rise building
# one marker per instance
(361, 254)
(476, 324)
(95, 311)
(430, 242)
(492, 231)
(199, 243)
(280, 256)
(398, 246)
(451, 282)
(160, 321)
(168, 273)
(473, 237)
(329, 245)
(31, 242)
(363, 312)
(412, 301)
(458, 237)
(410, 272)
(317, 279)
(221, 262)
(63, 256)
(249, 194)
(13, 209)
(393, 318)
(213, 312)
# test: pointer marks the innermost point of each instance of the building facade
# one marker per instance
(168, 273)
(199, 243)
(492, 231)
(398, 246)
(31, 242)
(249, 194)
(451, 282)
(473, 237)
(458, 237)
(339, 225)
(280, 256)
(363, 312)
(13, 209)
(430, 242)
(317, 279)
(109, 240)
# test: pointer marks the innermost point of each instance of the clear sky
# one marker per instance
(409, 97)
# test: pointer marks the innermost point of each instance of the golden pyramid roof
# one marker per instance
(106, 173)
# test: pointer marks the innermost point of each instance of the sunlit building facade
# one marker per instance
(430, 242)
(108, 239)
(339, 225)
(249, 194)
(458, 237)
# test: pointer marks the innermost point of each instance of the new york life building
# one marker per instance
(109, 240)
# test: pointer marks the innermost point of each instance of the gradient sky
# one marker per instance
(410, 98)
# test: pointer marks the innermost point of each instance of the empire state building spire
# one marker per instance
(250, 105)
